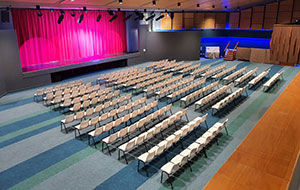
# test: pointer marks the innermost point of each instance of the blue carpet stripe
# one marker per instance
(28, 168)
(16, 104)
(12, 127)
(28, 135)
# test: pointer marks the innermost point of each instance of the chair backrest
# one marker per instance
(94, 120)
(175, 167)
(104, 116)
(84, 124)
(69, 118)
(122, 132)
(118, 122)
(140, 139)
(150, 156)
(132, 128)
(98, 108)
(112, 137)
(79, 115)
(106, 105)
(126, 117)
(108, 127)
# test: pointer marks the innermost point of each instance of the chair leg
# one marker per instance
(138, 168)
(161, 177)
(190, 166)
(187, 118)
(204, 153)
(206, 124)
(108, 149)
(226, 130)
(94, 142)
(125, 157)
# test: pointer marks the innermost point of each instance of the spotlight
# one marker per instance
(160, 17)
(113, 18)
(111, 13)
(150, 17)
(120, 2)
(119, 9)
(39, 14)
(145, 10)
(154, 3)
(127, 17)
(225, 6)
(38, 7)
(198, 5)
(60, 18)
(73, 14)
(51, 10)
(99, 18)
(80, 18)
(166, 11)
(213, 6)
(62, 12)
(178, 4)
(84, 9)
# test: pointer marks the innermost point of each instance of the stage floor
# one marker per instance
(55, 64)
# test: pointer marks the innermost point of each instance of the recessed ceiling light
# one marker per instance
(178, 4)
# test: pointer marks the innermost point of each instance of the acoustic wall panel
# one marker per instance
(257, 17)
(234, 19)
(188, 20)
(285, 12)
(245, 19)
(220, 20)
(178, 21)
(165, 23)
(209, 20)
(296, 13)
(270, 15)
(199, 20)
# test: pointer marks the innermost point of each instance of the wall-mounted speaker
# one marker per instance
(4, 16)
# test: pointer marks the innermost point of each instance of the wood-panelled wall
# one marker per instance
(194, 20)
(265, 16)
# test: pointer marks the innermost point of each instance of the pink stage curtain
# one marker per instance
(43, 40)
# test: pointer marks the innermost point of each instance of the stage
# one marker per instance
(56, 67)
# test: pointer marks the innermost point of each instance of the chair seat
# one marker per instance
(123, 146)
(185, 152)
(153, 149)
(202, 141)
(167, 167)
(143, 157)
(177, 159)
(63, 121)
(92, 133)
(77, 127)
(106, 140)
(162, 143)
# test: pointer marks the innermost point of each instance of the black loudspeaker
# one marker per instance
(4, 16)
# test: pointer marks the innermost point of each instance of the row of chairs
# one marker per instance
(156, 63)
(167, 65)
(169, 89)
(125, 132)
(111, 125)
(145, 136)
(200, 70)
(186, 156)
(151, 89)
(99, 96)
(214, 70)
(245, 77)
(139, 78)
(224, 72)
(79, 116)
(190, 68)
(42, 92)
(272, 80)
(113, 76)
(182, 66)
(212, 97)
(151, 82)
(234, 75)
(171, 140)
(231, 98)
(186, 90)
(198, 94)
(77, 105)
(82, 95)
(259, 77)
(143, 79)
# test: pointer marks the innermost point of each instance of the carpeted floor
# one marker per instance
(35, 154)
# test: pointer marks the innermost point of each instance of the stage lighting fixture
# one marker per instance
(84, 9)
(62, 12)
(160, 17)
(150, 17)
(73, 14)
(38, 7)
(198, 5)
(213, 6)
(145, 10)
(119, 9)
(7, 8)
(113, 18)
(166, 10)
(139, 17)
(225, 7)
(51, 10)
(80, 18)
(39, 14)
(178, 4)
(98, 18)
(120, 2)
(127, 17)
(154, 3)
(111, 13)
(60, 18)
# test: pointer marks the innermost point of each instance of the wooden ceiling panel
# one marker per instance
(138, 4)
